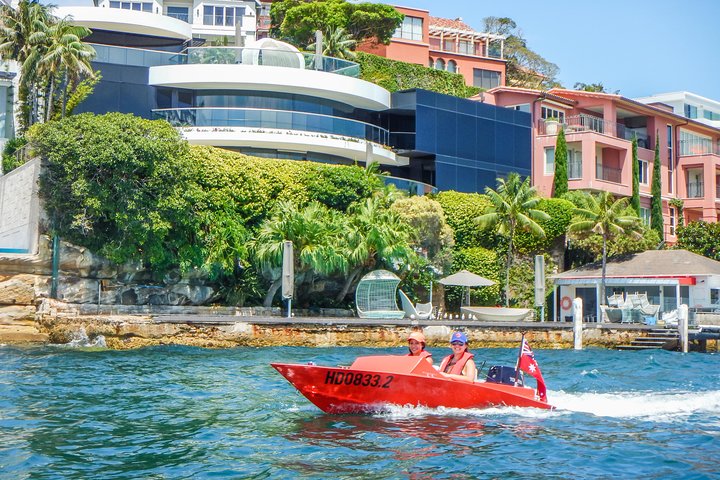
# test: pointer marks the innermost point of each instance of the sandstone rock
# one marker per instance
(19, 289)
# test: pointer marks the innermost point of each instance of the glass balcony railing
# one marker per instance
(135, 56)
(699, 146)
(225, 55)
(272, 58)
(280, 119)
(412, 187)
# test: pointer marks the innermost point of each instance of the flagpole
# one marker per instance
(517, 365)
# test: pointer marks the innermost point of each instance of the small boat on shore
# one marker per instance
(496, 314)
(372, 383)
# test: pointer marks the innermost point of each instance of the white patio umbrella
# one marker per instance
(466, 279)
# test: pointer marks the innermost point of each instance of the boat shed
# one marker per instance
(668, 277)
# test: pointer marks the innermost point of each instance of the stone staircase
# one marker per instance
(665, 338)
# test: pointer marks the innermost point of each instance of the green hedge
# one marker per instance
(461, 210)
(132, 189)
(394, 75)
(701, 238)
(561, 213)
(483, 262)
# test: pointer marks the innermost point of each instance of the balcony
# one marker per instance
(225, 56)
(699, 146)
(695, 190)
(273, 119)
(589, 123)
(608, 174)
(271, 58)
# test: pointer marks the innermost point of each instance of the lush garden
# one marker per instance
(132, 190)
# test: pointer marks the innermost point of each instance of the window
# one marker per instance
(715, 296)
(643, 174)
(692, 144)
(411, 29)
(550, 161)
(181, 13)
(690, 111)
(485, 78)
(440, 64)
(574, 164)
(449, 45)
(710, 115)
(137, 6)
(431, 63)
(671, 160)
(547, 112)
(452, 66)
(672, 221)
(523, 107)
(466, 46)
(222, 16)
(645, 215)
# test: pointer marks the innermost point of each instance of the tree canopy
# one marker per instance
(297, 20)
(525, 67)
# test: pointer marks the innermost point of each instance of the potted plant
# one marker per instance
(551, 125)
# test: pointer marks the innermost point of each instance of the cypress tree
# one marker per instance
(656, 217)
(635, 200)
(560, 180)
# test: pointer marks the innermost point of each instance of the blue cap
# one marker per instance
(458, 337)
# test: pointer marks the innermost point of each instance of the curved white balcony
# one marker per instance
(341, 88)
(127, 21)
(354, 149)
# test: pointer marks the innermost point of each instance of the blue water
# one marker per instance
(181, 412)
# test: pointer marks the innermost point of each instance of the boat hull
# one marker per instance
(496, 314)
(363, 390)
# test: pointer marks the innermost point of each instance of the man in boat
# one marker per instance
(416, 345)
(460, 364)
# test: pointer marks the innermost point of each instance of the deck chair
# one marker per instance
(421, 311)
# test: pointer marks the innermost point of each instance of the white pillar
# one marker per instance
(683, 327)
(577, 309)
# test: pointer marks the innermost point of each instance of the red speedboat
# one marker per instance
(371, 383)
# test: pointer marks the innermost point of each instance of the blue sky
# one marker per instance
(639, 47)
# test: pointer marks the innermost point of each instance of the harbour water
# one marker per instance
(181, 412)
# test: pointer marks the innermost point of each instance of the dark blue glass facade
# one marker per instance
(459, 144)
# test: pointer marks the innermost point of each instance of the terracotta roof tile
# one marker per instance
(456, 24)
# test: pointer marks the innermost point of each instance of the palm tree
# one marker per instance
(513, 208)
(19, 28)
(337, 43)
(374, 235)
(603, 215)
(66, 58)
(313, 230)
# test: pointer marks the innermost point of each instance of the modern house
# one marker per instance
(445, 44)
(667, 277)
(599, 129)
(7, 95)
(689, 105)
(268, 99)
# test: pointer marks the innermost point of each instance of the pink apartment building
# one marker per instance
(599, 128)
(445, 44)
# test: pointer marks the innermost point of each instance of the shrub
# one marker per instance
(483, 262)
(394, 75)
(701, 238)
(561, 213)
(461, 210)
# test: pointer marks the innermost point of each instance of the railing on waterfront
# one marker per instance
(279, 119)
(225, 55)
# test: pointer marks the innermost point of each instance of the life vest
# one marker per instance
(458, 367)
(422, 354)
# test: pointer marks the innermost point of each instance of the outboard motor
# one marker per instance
(504, 375)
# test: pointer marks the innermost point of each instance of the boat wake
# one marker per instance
(670, 406)
(661, 407)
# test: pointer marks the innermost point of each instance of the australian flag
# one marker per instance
(528, 365)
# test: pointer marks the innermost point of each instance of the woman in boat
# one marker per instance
(459, 364)
(416, 345)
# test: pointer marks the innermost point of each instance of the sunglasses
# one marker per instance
(457, 343)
